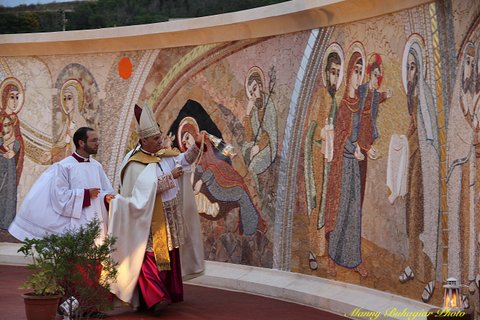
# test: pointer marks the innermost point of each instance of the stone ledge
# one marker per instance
(281, 18)
(10, 256)
(333, 296)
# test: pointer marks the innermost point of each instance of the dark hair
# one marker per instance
(333, 57)
(81, 134)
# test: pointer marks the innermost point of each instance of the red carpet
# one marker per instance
(200, 303)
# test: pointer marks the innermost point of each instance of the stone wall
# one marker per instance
(357, 198)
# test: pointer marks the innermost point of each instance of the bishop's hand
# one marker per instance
(177, 172)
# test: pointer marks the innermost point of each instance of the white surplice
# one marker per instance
(55, 201)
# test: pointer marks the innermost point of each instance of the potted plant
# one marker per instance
(42, 301)
(70, 267)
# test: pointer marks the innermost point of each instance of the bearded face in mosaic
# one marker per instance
(412, 79)
(332, 71)
(255, 88)
(468, 71)
(412, 72)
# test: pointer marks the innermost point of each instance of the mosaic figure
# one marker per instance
(229, 246)
(332, 76)
(477, 79)
(11, 148)
(462, 139)
(343, 199)
(187, 131)
(72, 102)
(422, 198)
(8, 176)
(369, 101)
(217, 185)
(260, 148)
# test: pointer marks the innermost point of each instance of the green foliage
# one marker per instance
(74, 265)
(43, 280)
(113, 13)
(19, 23)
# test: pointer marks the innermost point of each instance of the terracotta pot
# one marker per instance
(41, 307)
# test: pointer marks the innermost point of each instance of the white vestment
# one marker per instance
(131, 216)
(55, 202)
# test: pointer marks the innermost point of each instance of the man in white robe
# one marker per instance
(152, 218)
(67, 195)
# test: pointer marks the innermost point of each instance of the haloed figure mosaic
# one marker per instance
(422, 198)
(11, 148)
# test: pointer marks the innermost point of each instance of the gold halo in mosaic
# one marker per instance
(11, 84)
(333, 47)
(416, 43)
(250, 72)
(186, 120)
(75, 88)
(357, 46)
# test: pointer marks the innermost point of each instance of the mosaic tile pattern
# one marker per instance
(286, 189)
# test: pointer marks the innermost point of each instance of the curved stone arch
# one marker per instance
(70, 71)
(175, 73)
(299, 102)
(118, 136)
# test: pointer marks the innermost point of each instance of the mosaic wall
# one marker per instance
(339, 152)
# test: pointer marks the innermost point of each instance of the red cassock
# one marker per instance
(155, 285)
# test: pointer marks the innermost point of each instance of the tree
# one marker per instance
(111, 13)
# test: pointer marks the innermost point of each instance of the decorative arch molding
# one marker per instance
(299, 102)
(287, 17)
(195, 61)
(121, 135)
